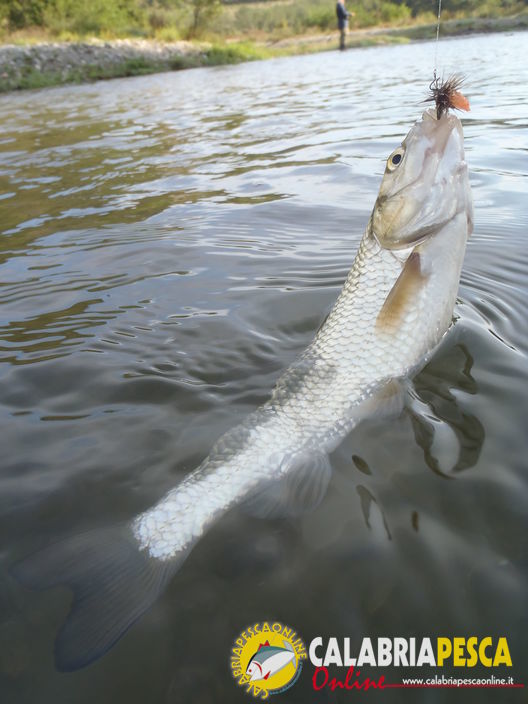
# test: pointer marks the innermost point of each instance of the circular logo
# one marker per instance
(267, 658)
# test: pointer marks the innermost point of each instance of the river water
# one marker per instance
(170, 244)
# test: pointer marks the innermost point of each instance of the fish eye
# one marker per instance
(395, 159)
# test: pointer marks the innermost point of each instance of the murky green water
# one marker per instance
(169, 245)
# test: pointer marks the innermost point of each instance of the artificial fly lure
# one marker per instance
(446, 94)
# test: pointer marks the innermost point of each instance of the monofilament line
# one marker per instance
(437, 35)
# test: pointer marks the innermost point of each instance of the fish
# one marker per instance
(395, 307)
(269, 659)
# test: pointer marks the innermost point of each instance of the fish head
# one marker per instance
(425, 183)
(254, 670)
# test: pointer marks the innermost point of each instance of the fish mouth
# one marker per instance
(446, 134)
(432, 188)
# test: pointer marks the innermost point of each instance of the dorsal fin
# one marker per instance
(407, 286)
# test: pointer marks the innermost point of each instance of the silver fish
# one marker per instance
(396, 304)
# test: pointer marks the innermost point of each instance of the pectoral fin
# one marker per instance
(406, 288)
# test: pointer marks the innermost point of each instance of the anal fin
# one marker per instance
(300, 489)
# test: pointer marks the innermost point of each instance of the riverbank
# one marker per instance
(46, 64)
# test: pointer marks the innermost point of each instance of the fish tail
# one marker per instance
(113, 584)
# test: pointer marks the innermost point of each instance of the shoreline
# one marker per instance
(57, 63)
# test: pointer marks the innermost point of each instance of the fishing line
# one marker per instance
(437, 35)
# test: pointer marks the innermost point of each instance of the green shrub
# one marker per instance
(22, 13)
(234, 53)
(114, 17)
(394, 14)
(371, 12)
(203, 12)
(322, 17)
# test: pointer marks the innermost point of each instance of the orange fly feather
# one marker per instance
(446, 95)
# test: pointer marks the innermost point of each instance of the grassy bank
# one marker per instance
(35, 70)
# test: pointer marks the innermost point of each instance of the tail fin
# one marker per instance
(113, 584)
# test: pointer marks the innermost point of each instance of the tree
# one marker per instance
(203, 12)
(22, 13)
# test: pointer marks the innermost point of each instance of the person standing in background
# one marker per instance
(342, 22)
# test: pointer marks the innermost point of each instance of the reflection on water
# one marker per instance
(440, 415)
(169, 245)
